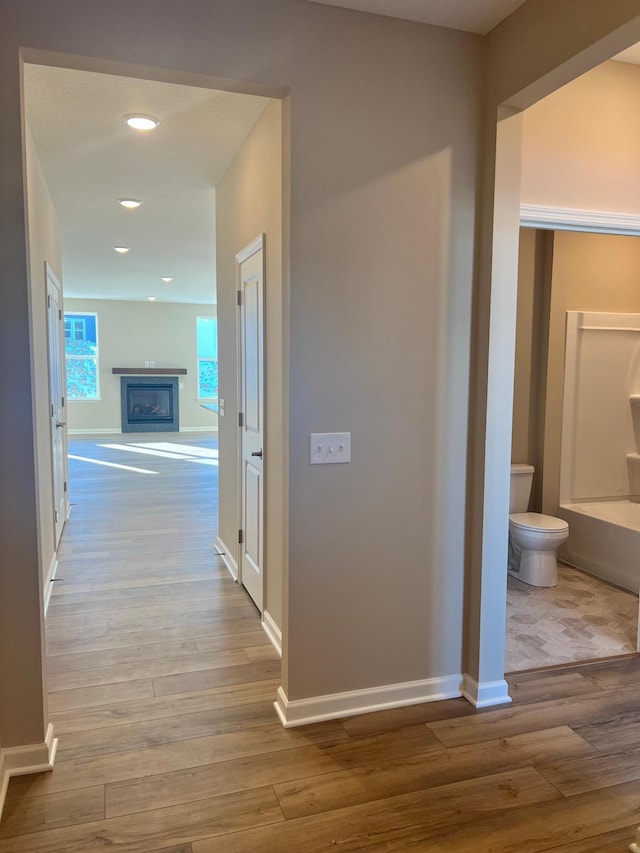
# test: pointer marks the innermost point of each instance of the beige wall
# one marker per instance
(385, 136)
(383, 155)
(590, 272)
(130, 333)
(44, 247)
(581, 146)
(26, 495)
(524, 381)
(532, 338)
(249, 203)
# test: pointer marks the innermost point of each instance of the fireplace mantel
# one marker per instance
(149, 371)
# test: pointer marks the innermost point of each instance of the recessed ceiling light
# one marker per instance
(151, 298)
(166, 279)
(129, 202)
(141, 122)
(121, 250)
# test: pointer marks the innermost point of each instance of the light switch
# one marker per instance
(221, 406)
(152, 364)
(146, 364)
(330, 448)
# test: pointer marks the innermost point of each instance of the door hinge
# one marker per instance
(240, 419)
(239, 297)
(59, 313)
(56, 514)
(63, 402)
(48, 301)
(52, 410)
(65, 485)
(240, 537)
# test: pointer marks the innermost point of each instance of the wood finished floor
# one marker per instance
(162, 685)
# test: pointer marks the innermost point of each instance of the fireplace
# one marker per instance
(149, 403)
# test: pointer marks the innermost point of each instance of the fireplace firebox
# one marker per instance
(149, 404)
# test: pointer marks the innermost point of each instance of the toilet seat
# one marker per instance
(538, 522)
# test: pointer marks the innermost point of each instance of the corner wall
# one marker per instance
(130, 333)
(542, 46)
(249, 203)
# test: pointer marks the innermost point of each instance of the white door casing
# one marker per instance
(250, 285)
(57, 409)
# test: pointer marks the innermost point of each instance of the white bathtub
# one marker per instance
(604, 540)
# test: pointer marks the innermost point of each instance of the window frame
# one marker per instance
(200, 398)
(96, 357)
(73, 328)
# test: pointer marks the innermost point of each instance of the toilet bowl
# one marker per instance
(533, 538)
(533, 542)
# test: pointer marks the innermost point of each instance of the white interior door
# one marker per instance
(55, 327)
(251, 422)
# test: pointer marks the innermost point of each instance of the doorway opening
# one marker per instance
(138, 224)
(573, 422)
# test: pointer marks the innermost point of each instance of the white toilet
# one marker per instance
(533, 538)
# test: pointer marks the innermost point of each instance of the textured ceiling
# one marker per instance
(90, 158)
(474, 16)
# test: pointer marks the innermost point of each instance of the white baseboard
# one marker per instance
(23, 760)
(485, 694)
(272, 631)
(227, 558)
(198, 429)
(302, 712)
(48, 581)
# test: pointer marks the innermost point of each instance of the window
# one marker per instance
(81, 350)
(207, 338)
(75, 328)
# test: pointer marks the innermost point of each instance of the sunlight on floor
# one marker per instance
(111, 464)
(168, 450)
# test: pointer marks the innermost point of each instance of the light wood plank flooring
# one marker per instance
(162, 686)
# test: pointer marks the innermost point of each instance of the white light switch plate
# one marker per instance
(329, 448)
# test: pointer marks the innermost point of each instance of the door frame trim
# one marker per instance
(50, 276)
(255, 246)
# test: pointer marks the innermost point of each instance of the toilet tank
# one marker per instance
(520, 491)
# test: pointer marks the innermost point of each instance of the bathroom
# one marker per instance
(574, 422)
(593, 611)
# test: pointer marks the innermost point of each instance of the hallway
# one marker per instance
(161, 691)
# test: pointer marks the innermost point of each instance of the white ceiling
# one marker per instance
(473, 16)
(631, 55)
(90, 158)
